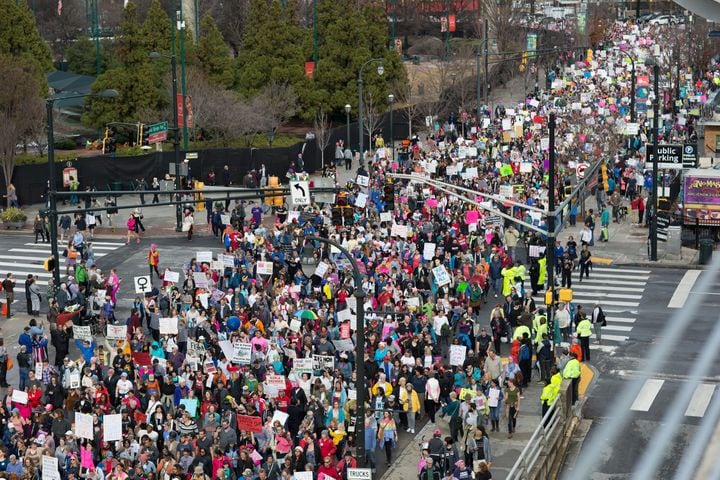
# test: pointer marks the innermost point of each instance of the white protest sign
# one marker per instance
(359, 474)
(228, 260)
(50, 468)
(344, 315)
(203, 297)
(321, 269)
(142, 284)
(116, 332)
(217, 265)
(173, 277)
(441, 276)
(75, 380)
(203, 257)
(305, 475)
(303, 365)
(83, 426)
(20, 397)
(295, 325)
(82, 333)
(242, 353)
(200, 280)
(225, 219)
(429, 251)
(321, 362)
(169, 326)
(112, 427)
(457, 355)
(264, 268)
(273, 384)
(362, 180)
(399, 230)
(505, 191)
(386, 217)
(361, 200)
(279, 416)
(344, 345)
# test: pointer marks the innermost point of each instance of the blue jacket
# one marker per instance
(26, 340)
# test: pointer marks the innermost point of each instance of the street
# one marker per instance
(667, 398)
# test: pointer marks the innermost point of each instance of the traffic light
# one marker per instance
(389, 196)
(523, 62)
(337, 216)
(349, 215)
(143, 134)
(589, 56)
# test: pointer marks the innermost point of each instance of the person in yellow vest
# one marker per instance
(537, 320)
(541, 329)
(584, 332)
(572, 372)
(550, 393)
(410, 403)
(520, 330)
(543, 271)
(508, 274)
(520, 274)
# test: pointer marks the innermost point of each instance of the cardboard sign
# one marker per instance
(20, 397)
(242, 353)
(321, 269)
(361, 200)
(248, 423)
(50, 468)
(441, 276)
(279, 416)
(274, 383)
(228, 260)
(169, 326)
(386, 217)
(203, 257)
(303, 365)
(217, 265)
(399, 230)
(112, 427)
(83, 426)
(116, 332)
(82, 333)
(173, 277)
(429, 251)
(200, 280)
(321, 362)
(264, 268)
(457, 355)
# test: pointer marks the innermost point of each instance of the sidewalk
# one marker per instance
(505, 451)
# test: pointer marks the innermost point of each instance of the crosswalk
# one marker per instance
(28, 258)
(619, 292)
(660, 392)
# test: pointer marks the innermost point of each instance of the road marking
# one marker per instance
(606, 294)
(622, 270)
(605, 348)
(578, 300)
(618, 310)
(647, 394)
(110, 244)
(21, 265)
(611, 282)
(683, 289)
(580, 286)
(44, 252)
(19, 274)
(620, 319)
(700, 400)
(94, 247)
(616, 328)
(20, 257)
(615, 338)
(618, 275)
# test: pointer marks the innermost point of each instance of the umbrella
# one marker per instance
(306, 314)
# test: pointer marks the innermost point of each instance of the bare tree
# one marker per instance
(323, 129)
(371, 116)
(279, 102)
(21, 110)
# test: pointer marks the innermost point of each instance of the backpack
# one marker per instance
(524, 353)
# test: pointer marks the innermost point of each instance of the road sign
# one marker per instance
(157, 132)
(324, 197)
(690, 155)
(300, 193)
(191, 155)
(669, 156)
(580, 170)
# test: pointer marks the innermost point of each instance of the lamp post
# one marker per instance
(380, 71)
(347, 123)
(52, 214)
(176, 127)
(359, 294)
(632, 85)
(391, 100)
(550, 245)
(656, 128)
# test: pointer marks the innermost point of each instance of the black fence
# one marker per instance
(103, 170)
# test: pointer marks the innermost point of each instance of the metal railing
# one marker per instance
(545, 430)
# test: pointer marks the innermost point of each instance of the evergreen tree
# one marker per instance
(156, 29)
(274, 48)
(213, 55)
(81, 56)
(20, 39)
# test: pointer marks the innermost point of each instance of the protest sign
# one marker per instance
(242, 353)
(274, 383)
(112, 427)
(321, 362)
(19, 397)
(279, 416)
(169, 326)
(83, 425)
(50, 468)
(203, 257)
(303, 365)
(82, 333)
(429, 251)
(200, 280)
(441, 275)
(264, 268)
(170, 276)
(247, 423)
(116, 332)
(457, 355)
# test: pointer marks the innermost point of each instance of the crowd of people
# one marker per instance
(242, 364)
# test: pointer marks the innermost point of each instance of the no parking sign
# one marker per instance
(580, 170)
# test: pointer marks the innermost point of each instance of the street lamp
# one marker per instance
(176, 141)
(632, 84)
(656, 128)
(52, 214)
(380, 71)
(391, 100)
(359, 294)
(347, 122)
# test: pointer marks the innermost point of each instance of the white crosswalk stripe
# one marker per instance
(619, 292)
(656, 388)
(30, 258)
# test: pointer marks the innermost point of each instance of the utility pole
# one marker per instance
(181, 25)
(315, 33)
(478, 90)
(392, 25)
(550, 245)
(487, 82)
(656, 127)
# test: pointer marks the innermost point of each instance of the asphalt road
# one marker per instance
(659, 393)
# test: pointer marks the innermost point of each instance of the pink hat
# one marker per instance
(153, 245)
(437, 432)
